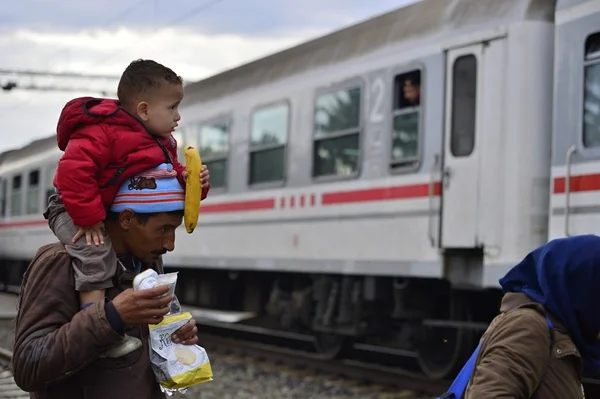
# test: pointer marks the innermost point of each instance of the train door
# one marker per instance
(474, 75)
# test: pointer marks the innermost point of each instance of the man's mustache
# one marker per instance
(161, 252)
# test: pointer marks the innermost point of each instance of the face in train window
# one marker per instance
(591, 106)
(406, 114)
(336, 131)
(213, 143)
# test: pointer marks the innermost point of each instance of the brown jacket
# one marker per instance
(57, 345)
(515, 360)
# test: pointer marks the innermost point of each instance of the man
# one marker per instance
(59, 348)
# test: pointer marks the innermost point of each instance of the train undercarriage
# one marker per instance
(424, 318)
(421, 318)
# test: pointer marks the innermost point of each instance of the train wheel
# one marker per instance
(442, 350)
(329, 345)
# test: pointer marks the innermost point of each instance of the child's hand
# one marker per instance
(94, 233)
(204, 175)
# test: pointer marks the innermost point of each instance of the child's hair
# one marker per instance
(141, 78)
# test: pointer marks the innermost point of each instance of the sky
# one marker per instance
(196, 38)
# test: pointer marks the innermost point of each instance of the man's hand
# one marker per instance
(187, 334)
(143, 306)
(93, 233)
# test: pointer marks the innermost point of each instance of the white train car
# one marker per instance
(374, 184)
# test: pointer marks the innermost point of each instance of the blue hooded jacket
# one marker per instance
(564, 276)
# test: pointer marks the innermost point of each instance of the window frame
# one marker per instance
(228, 120)
(38, 190)
(12, 190)
(3, 197)
(350, 83)
(49, 182)
(180, 144)
(591, 152)
(270, 184)
(415, 166)
(453, 98)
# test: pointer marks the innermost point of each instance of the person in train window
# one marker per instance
(523, 354)
(58, 350)
(105, 143)
(412, 90)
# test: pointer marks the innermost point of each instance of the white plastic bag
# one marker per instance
(176, 366)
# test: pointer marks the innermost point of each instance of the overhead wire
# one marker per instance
(105, 24)
(183, 17)
(179, 19)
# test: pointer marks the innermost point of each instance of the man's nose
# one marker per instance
(169, 244)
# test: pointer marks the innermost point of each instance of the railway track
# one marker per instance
(369, 364)
(8, 388)
(360, 372)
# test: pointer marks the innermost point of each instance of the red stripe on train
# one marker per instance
(580, 183)
(239, 206)
(341, 197)
(380, 194)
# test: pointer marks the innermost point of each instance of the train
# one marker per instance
(372, 185)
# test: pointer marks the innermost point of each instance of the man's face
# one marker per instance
(148, 241)
(411, 91)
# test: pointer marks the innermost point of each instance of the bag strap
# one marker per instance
(459, 385)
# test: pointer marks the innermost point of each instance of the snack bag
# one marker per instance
(176, 366)
(149, 278)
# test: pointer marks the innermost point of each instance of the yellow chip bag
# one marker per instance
(177, 366)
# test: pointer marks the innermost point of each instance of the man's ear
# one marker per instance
(126, 219)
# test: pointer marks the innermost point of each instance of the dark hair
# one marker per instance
(142, 77)
(414, 77)
(142, 217)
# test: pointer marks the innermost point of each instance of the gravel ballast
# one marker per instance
(238, 377)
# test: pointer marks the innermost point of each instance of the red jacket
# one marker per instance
(103, 147)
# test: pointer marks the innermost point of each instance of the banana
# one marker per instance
(193, 188)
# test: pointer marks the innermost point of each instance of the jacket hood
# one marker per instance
(564, 276)
(85, 111)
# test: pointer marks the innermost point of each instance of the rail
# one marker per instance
(8, 387)
(348, 369)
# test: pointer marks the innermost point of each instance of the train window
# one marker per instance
(405, 134)
(50, 170)
(464, 105)
(213, 145)
(179, 136)
(268, 138)
(33, 193)
(337, 133)
(591, 98)
(3, 198)
(15, 196)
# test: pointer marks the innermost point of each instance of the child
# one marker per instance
(106, 142)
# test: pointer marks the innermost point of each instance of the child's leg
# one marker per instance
(94, 268)
(62, 226)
